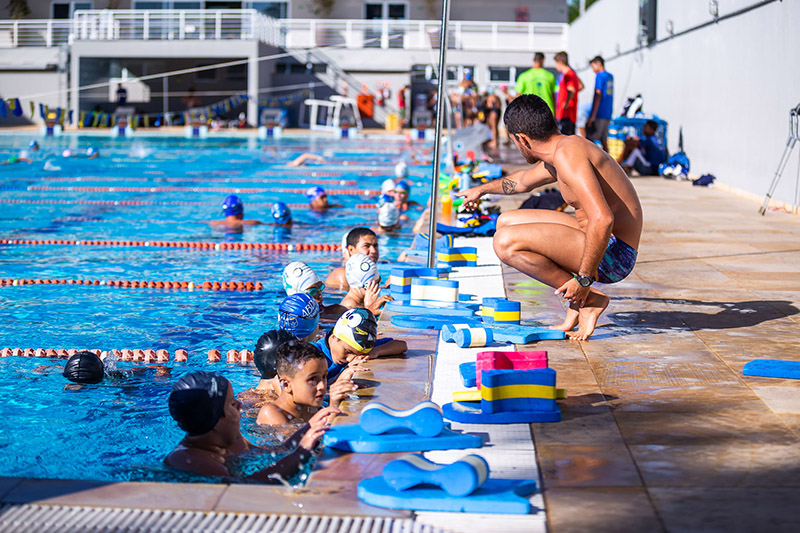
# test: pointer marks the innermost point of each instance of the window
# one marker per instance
(647, 20)
(65, 10)
(236, 73)
(499, 73)
(385, 10)
(209, 75)
(276, 10)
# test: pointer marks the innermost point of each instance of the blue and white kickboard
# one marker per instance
(468, 372)
(353, 438)
(424, 419)
(486, 336)
(772, 368)
(495, 496)
(471, 413)
(431, 321)
(459, 478)
(415, 307)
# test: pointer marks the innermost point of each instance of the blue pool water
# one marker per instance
(122, 430)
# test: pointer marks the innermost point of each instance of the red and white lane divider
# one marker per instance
(137, 356)
(150, 202)
(194, 179)
(240, 286)
(274, 246)
(330, 192)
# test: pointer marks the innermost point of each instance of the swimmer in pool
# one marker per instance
(298, 277)
(298, 315)
(303, 374)
(318, 199)
(22, 157)
(92, 153)
(388, 218)
(86, 368)
(301, 160)
(365, 284)
(233, 209)
(281, 215)
(268, 387)
(358, 240)
(205, 407)
(33, 146)
(401, 192)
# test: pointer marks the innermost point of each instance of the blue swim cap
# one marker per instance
(91, 151)
(232, 206)
(315, 192)
(299, 315)
(402, 185)
(385, 199)
(33, 144)
(281, 213)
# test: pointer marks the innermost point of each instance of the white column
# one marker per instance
(253, 81)
(74, 83)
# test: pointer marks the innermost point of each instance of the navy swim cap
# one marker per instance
(281, 213)
(232, 206)
(84, 367)
(267, 345)
(197, 401)
(299, 314)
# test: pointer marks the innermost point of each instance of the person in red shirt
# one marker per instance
(568, 89)
(401, 105)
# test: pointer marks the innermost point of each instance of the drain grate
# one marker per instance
(78, 519)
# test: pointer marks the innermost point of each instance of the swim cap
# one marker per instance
(91, 151)
(401, 170)
(314, 192)
(281, 213)
(357, 328)
(232, 206)
(388, 215)
(298, 277)
(299, 314)
(23, 154)
(387, 185)
(267, 345)
(66, 153)
(197, 401)
(360, 270)
(385, 199)
(34, 144)
(84, 367)
(402, 185)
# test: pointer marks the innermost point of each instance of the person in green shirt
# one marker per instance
(538, 81)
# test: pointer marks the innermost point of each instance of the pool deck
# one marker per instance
(660, 430)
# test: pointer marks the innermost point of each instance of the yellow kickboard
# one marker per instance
(474, 395)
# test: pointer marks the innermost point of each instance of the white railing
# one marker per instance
(47, 33)
(422, 34)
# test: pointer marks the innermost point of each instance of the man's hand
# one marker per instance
(318, 425)
(572, 292)
(470, 195)
(589, 122)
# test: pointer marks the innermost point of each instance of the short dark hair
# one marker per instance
(355, 235)
(529, 114)
(538, 57)
(653, 124)
(562, 57)
(267, 345)
(598, 59)
(295, 353)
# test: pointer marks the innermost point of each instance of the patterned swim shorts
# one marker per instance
(617, 262)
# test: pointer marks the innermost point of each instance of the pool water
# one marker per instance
(121, 430)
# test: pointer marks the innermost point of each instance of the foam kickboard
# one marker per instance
(353, 438)
(772, 368)
(469, 373)
(458, 478)
(414, 307)
(486, 336)
(469, 413)
(424, 419)
(496, 496)
(474, 395)
(430, 321)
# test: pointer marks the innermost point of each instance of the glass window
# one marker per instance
(397, 11)
(60, 10)
(236, 73)
(148, 5)
(186, 5)
(65, 10)
(500, 73)
(648, 10)
(276, 10)
(373, 11)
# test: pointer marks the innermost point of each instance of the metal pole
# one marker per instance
(441, 106)
(164, 100)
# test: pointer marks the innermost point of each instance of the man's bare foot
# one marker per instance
(594, 306)
(570, 321)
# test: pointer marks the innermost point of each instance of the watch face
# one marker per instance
(584, 281)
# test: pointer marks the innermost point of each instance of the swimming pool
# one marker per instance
(119, 431)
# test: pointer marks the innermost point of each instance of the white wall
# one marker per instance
(730, 85)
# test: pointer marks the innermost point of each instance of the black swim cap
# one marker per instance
(264, 355)
(197, 401)
(84, 367)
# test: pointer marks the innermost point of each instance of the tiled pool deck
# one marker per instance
(661, 431)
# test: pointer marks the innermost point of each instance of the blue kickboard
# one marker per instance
(405, 298)
(431, 321)
(496, 496)
(772, 368)
(468, 373)
(462, 412)
(352, 438)
(512, 334)
(417, 307)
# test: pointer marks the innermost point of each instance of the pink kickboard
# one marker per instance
(509, 361)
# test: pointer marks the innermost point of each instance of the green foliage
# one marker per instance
(573, 8)
(18, 9)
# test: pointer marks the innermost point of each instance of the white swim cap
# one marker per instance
(345, 253)
(401, 170)
(388, 215)
(298, 277)
(360, 270)
(387, 186)
(66, 153)
(23, 154)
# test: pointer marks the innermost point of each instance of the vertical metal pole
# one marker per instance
(441, 106)
(164, 99)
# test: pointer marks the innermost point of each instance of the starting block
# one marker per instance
(511, 396)
(435, 290)
(471, 337)
(466, 256)
(400, 277)
(500, 311)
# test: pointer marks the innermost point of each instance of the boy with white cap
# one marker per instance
(388, 218)
(364, 281)
(358, 240)
(298, 278)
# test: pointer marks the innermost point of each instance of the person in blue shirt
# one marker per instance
(603, 104)
(643, 154)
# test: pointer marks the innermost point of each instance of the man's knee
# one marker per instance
(504, 245)
(504, 220)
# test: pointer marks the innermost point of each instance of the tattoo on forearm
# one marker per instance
(509, 186)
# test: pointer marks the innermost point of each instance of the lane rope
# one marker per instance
(248, 286)
(137, 356)
(274, 246)
(331, 192)
(153, 202)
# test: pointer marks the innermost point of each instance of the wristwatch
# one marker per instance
(584, 281)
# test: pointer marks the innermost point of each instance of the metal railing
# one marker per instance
(422, 34)
(249, 24)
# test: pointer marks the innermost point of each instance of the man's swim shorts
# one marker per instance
(617, 262)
